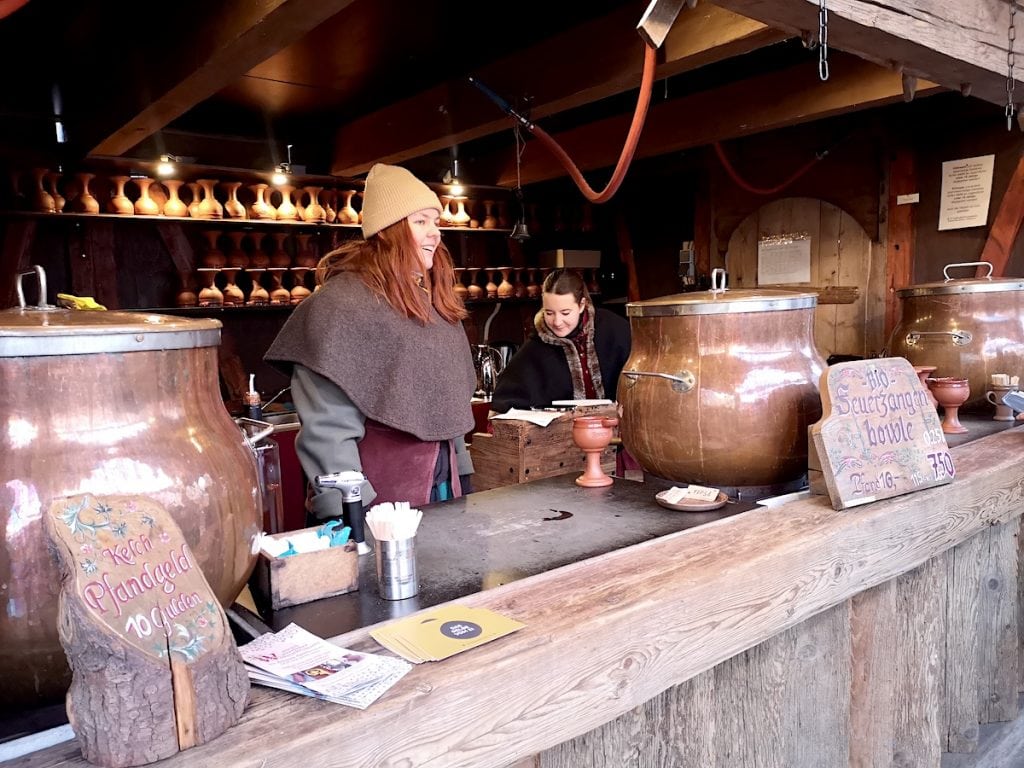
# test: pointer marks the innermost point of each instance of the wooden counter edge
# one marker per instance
(609, 633)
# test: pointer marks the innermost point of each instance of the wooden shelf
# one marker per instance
(230, 222)
(229, 309)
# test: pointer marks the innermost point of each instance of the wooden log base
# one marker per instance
(155, 669)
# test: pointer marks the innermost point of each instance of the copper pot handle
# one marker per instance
(959, 338)
(945, 269)
(40, 274)
(683, 382)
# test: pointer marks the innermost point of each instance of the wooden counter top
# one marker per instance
(607, 634)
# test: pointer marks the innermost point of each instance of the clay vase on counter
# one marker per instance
(951, 392)
(593, 434)
(110, 405)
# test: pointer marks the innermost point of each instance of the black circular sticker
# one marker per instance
(460, 630)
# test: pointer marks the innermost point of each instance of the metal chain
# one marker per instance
(823, 40)
(1011, 36)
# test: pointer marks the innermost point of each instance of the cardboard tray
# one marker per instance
(280, 582)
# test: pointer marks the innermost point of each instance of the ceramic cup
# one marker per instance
(995, 396)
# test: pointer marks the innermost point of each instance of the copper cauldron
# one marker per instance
(109, 403)
(721, 385)
(967, 327)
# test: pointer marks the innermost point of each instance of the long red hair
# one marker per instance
(388, 263)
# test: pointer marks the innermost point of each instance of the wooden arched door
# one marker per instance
(847, 270)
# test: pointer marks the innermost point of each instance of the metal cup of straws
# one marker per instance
(394, 528)
(396, 568)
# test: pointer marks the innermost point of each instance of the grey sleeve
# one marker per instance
(328, 440)
(463, 459)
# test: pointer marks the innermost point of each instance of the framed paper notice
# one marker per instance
(966, 190)
(784, 259)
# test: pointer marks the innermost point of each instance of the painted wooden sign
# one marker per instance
(143, 632)
(880, 435)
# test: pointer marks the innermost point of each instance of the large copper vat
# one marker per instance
(110, 403)
(967, 327)
(721, 385)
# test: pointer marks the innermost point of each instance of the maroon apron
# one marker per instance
(400, 466)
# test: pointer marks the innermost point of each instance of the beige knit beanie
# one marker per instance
(391, 194)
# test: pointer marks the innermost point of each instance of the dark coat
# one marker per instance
(538, 373)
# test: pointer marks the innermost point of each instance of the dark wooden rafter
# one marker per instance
(554, 74)
(769, 102)
(222, 46)
(958, 44)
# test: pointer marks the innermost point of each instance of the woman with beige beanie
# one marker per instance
(380, 365)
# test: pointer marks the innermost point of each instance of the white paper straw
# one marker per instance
(393, 522)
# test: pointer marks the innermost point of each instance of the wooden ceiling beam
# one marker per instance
(225, 41)
(596, 60)
(759, 104)
(961, 44)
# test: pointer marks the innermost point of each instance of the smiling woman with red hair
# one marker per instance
(380, 366)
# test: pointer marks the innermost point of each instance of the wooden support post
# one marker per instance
(626, 254)
(1005, 228)
(703, 230)
(900, 233)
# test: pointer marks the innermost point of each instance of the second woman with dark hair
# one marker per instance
(577, 352)
(381, 370)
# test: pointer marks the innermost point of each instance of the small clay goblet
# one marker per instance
(951, 392)
(593, 434)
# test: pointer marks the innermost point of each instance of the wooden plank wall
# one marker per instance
(895, 676)
(842, 254)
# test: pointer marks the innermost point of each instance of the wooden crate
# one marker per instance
(519, 451)
(279, 582)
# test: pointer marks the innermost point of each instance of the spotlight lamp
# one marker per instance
(167, 166)
(282, 171)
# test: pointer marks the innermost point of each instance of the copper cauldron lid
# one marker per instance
(44, 330)
(950, 285)
(721, 300)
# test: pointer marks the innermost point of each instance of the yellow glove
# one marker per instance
(77, 302)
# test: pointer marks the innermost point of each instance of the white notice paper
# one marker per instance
(966, 190)
(784, 260)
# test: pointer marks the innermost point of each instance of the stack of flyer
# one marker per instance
(298, 661)
(442, 632)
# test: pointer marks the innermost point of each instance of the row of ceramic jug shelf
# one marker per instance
(273, 249)
(510, 282)
(83, 192)
(288, 203)
(221, 287)
(283, 284)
